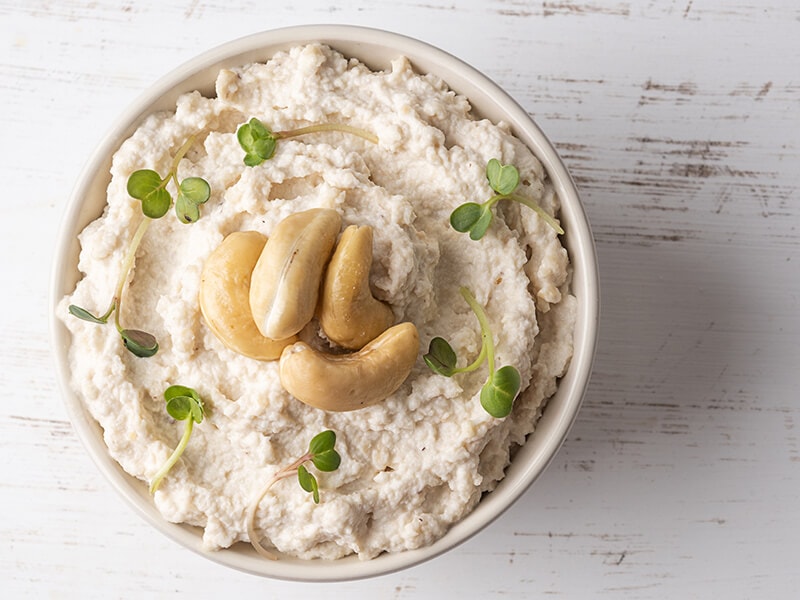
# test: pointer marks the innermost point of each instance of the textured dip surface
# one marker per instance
(413, 464)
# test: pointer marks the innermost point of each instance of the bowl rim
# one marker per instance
(488, 100)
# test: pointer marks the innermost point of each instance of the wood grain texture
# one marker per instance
(680, 121)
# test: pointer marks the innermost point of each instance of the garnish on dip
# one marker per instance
(257, 294)
(259, 142)
(138, 342)
(504, 180)
(345, 382)
(502, 386)
(323, 456)
(183, 404)
(150, 188)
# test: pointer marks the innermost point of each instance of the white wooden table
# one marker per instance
(680, 120)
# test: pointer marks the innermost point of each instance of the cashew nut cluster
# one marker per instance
(256, 294)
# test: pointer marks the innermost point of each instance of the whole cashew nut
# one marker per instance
(350, 381)
(285, 283)
(349, 314)
(225, 296)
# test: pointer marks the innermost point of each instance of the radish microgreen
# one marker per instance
(502, 386)
(322, 455)
(504, 180)
(259, 142)
(150, 188)
(139, 343)
(183, 404)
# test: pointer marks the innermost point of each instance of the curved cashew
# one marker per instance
(225, 301)
(285, 283)
(350, 381)
(349, 314)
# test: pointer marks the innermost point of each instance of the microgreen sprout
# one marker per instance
(322, 455)
(259, 142)
(150, 188)
(138, 342)
(504, 180)
(183, 404)
(502, 386)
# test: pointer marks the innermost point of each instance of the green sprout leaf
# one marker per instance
(195, 190)
(143, 183)
(478, 230)
(499, 392)
(322, 442)
(192, 192)
(501, 388)
(503, 180)
(327, 461)
(84, 314)
(465, 216)
(258, 130)
(182, 404)
(321, 451)
(175, 391)
(257, 141)
(473, 218)
(180, 407)
(441, 358)
(146, 185)
(308, 482)
(140, 343)
(156, 204)
(187, 211)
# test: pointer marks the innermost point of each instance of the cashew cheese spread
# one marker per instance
(411, 465)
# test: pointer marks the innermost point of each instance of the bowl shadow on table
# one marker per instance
(670, 377)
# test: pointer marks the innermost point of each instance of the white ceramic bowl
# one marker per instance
(376, 49)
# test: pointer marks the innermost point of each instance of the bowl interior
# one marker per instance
(376, 49)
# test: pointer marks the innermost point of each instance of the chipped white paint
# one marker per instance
(680, 120)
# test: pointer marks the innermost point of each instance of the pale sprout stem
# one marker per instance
(475, 363)
(486, 333)
(341, 127)
(539, 210)
(495, 199)
(181, 153)
(176, 454)
(174, 176)
(127, 264)
(285, 472)
(173, 168)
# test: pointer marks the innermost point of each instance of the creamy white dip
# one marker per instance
(413, 464)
